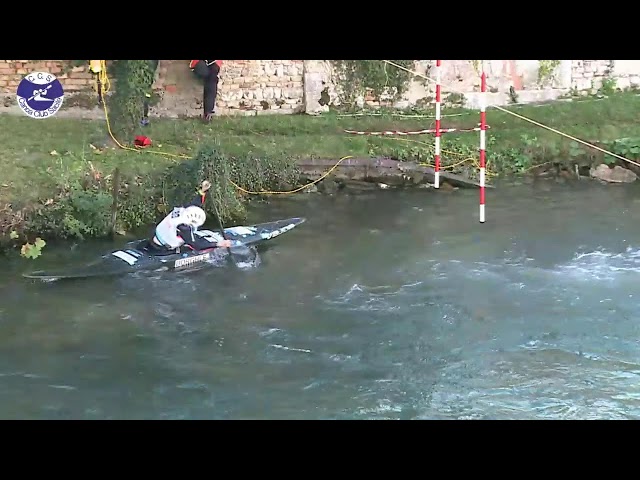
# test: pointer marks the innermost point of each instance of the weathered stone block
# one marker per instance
(234, 95)
(623, 83)
(292, 70)
(581, 83)
(315, 72)
(602, 67)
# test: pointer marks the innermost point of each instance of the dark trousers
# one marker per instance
(211, 88)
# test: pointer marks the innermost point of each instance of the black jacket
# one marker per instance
(187, 232)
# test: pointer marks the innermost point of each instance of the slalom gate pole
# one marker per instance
(437, 132)
(483, 128)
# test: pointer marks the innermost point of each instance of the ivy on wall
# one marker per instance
(134, 81)
(546, 69)
(375, 77)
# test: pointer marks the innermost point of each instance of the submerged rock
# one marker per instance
(616, 174)
(328, 186)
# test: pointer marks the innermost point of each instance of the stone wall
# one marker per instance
(262, 85)
(589, 74)
(503, 78)
(625, 72)
(246, 87)
(255, 87)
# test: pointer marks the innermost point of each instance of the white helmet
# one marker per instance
(194, 216)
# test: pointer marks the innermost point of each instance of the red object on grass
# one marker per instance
(142, 141)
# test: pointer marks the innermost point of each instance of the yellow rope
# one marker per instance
(264, 192)
(104, 80)
(453, 89)
(99, 67)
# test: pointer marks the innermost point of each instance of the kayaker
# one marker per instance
(178, 227)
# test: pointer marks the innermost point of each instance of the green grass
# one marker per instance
(30, 173)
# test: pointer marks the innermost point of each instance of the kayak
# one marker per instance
(136, 256)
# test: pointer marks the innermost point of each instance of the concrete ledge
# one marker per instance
(8, 105)
(473, 99)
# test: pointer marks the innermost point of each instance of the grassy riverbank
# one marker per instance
(43, 161)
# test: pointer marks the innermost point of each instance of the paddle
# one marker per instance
(224, 236)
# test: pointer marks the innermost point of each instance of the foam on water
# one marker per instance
(602, 265)
(524, 333)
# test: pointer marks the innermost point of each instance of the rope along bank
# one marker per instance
(103, 85)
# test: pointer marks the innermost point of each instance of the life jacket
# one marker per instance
(167, 230)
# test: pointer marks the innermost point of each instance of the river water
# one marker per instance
(384, 305)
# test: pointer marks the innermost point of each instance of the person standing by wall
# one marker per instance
(208, 71)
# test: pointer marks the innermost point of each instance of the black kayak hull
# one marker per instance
(137, 257)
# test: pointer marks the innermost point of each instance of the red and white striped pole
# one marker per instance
(437, 146)
(483, 128)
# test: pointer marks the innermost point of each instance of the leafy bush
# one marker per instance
(210, 163)
(82, 213)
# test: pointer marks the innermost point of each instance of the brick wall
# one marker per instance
(73, 79)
